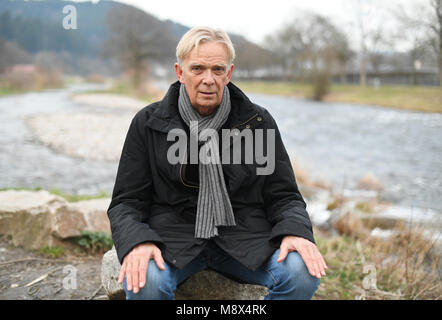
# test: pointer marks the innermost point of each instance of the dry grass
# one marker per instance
(146, 92)
(427, 99)
(404, 266)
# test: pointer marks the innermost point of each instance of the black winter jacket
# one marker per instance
(154, 201)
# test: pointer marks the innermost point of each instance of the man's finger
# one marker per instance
(323, 262)
(313, 253)
(142, 272)
(305, 255)
(158, 258)
(122, 272)
(129, 274)
(282, 253)
(135, 279)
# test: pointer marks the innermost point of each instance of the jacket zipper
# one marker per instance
(181, 164)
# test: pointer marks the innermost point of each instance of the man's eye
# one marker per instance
(196, 68)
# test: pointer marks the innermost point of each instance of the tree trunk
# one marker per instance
(440, 59)
(363, 71)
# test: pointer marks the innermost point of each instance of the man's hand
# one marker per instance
(135, 265)
(309, 253)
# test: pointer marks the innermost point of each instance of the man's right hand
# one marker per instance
(135, 265)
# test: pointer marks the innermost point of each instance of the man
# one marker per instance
(171, 220)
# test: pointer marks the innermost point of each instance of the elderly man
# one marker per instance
(171, 220)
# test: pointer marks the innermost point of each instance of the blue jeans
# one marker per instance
(287, 280)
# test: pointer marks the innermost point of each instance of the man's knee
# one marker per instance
(299, 275)
(295, 282)
(159, 285)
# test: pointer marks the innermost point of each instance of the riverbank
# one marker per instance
(147, 92)
(425, 99)
(363, 263)
(365, 241)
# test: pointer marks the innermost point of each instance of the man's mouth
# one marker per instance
(207, 93)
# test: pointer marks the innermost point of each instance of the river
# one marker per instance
(336, 142)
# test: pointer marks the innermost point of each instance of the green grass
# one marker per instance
(67, 196)
(427, 99)
(52, 252)
(9, 91)
(123, 88)
(22, 189)
(75, 197)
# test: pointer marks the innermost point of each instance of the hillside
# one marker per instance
(37, 26)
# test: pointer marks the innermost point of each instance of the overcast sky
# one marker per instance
(255, 19)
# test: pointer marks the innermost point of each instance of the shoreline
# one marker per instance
(406, 262)
(421, 99)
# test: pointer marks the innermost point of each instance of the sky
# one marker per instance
(254, 19)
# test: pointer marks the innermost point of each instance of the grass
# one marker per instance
(52, 252)
(8, 91)
(67, 196)
(403, 267)
(427, 99)
(79, 197)
(126, 89)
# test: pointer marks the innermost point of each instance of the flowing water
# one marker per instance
(332, 141)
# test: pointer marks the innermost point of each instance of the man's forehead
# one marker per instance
(208, 53)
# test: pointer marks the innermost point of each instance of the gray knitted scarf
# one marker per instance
(214, 207)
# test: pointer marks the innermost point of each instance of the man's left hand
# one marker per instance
(309, 253)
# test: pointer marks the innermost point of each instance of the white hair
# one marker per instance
(192, 38)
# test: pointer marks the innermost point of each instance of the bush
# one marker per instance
(321, 86)
(52, 252)
(95, 242)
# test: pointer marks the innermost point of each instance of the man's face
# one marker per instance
(205, 72)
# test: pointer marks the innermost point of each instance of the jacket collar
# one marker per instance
(166, 116)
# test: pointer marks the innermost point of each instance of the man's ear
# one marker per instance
(229, 75)
(179, 72)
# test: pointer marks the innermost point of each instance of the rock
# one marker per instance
(35, 219)
(110, 269)
(319, 215)
(94, 212)
(205, 285)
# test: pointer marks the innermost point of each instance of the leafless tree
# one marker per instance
(10, 54)
(436, 26)
(375, 36)
(135, 38)
(423, 27)
(250, 57)
(312, 48)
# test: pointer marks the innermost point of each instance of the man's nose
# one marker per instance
(208, 78)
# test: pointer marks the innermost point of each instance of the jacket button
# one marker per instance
(236, 132)
(259, 119)
(248, 126)
(174, 261)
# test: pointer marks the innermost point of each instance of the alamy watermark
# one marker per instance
(370, 280)
(254, 147)
(70, 20)
(70, 280)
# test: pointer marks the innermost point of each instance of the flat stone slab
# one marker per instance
(34, 219)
